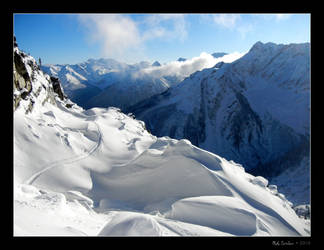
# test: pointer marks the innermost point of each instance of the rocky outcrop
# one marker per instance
(31, 86)
(15, 42)
(57, 87)
(21, 78)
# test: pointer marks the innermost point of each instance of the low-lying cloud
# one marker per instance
(185, 68)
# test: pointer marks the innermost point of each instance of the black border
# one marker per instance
(163, 7)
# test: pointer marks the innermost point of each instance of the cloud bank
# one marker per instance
(185, 68)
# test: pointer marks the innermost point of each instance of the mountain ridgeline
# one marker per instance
(107, 82)
(255, 110)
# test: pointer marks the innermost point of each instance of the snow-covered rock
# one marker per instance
(33, 88)
(303, 211)
(260, 181)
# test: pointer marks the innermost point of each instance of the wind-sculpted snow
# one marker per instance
(145, 174)
(133, 170)
(132, 224)
(224, 213)
(100, 172)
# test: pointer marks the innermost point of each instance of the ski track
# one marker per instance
(69, 160)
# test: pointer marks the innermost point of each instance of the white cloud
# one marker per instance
(121, 36)
(116, 33)
(185, 68)
(166, 26)
(226, 20)
(234, 22)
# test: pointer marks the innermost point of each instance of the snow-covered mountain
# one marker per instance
(128, 90)
(219, 54)
(100, 172)
(107, 82)
(255, 111)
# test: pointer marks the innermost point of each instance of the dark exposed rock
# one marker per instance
(24, 95)
(21, 79)
(20, 66)
(69, 105)
(31, 86)
(57, 87)
(15, 42)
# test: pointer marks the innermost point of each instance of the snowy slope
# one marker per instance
(100, 172)
(128, 90)
(255, 110)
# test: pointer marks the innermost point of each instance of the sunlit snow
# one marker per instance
(99, 172)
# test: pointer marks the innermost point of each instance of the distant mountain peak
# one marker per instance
(181, 59)
(156, 63)
(265, 46)
(219, 54)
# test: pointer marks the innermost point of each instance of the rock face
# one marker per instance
(254, 111)
(57, 87)
(30, 85)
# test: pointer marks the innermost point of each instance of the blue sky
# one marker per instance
(74, 38)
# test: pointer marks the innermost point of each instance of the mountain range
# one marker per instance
(255, 111)
(107, 82)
